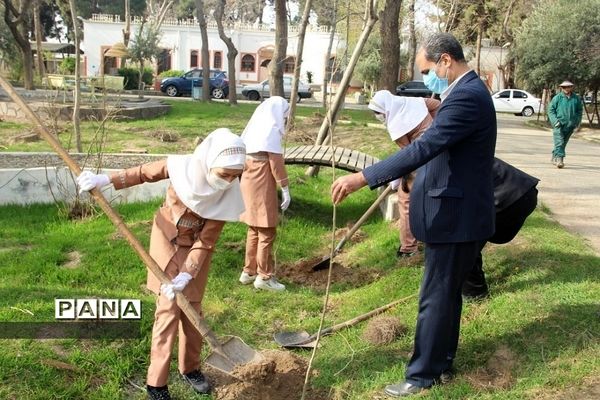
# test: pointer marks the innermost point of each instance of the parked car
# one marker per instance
(517, 101)
(261, 90)
(177, 86)
(414, 89)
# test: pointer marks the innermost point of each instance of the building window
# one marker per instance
(218, 60)
(248, 63)
(163, 62)
(193, 58)
(288, 65)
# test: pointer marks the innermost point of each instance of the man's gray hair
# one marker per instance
(440, 43)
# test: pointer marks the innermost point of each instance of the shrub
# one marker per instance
(171, 73)
(67, 66)
(131, 76)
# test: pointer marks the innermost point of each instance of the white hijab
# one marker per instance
(267, 126)
(402, 114)
(220, 149)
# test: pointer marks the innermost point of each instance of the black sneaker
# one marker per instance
(158, 393)
(197, 381)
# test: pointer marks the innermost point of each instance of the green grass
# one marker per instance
(542, 316)
(187, 119)
(543, 308)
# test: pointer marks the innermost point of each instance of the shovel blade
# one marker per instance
(294, 339)
(233, 353)
(323, 264)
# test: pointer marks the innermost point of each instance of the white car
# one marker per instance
(262, 90)
(517, 101)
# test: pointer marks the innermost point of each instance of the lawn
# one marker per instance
(537, 336)
(177, 131)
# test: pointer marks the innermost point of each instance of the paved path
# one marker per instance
(573, 193)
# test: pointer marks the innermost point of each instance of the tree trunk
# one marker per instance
(390, 44)
(412, 41)
(298, 63)
(205, 53)
(38, 39)
(16, 20)
(126, 31)
(279, 54)
(333, 112)
(77, 91)
(231, 51)
(261, 8)
(478, 47)
(328, 74)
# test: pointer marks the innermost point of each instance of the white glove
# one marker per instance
(177, 285)
(395, 184)
(286, 198)
(88, 181)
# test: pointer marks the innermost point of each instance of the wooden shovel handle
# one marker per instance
(362, 219)
(360, 318)
(182, 301)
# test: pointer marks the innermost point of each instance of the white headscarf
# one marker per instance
(402, 114)
(220, 149)
(267, 126)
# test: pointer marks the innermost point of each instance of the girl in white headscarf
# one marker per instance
(203, 195)
(406, 118)
(264, 171)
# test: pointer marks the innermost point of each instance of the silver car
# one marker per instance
(260, 90)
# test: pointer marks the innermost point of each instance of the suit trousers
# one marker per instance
(508, 223)
(440, 306)
(259, 251)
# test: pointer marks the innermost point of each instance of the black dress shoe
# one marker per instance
(475, 291)
(158, 392)
(197, 381)
(446, 376)
(402, 389)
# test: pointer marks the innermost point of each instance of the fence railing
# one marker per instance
(189, 22)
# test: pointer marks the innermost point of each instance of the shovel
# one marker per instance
(324, 263)
(304, 340)
(225, 356)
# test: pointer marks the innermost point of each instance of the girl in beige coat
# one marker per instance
(203, 195)
(263, 172)
(406, 118)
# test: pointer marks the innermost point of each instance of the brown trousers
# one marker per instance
(259, 251)
(170, 320)
(407, 240)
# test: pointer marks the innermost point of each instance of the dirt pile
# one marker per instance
(280, 376)
(383, 330)
(301, 273)
(498, 372)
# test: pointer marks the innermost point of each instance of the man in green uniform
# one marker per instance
(565, 112)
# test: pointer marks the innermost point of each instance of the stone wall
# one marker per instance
(47, 185)
(43, 159)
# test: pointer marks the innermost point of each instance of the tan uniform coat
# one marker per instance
(178, 234)
(262, 173)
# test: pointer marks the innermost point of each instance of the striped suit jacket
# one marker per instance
(452, 197)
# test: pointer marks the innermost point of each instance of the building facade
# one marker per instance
(181, 43)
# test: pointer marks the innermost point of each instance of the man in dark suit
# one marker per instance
(451, 205)
(515, 197)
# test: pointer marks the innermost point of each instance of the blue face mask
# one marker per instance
(435, 83)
